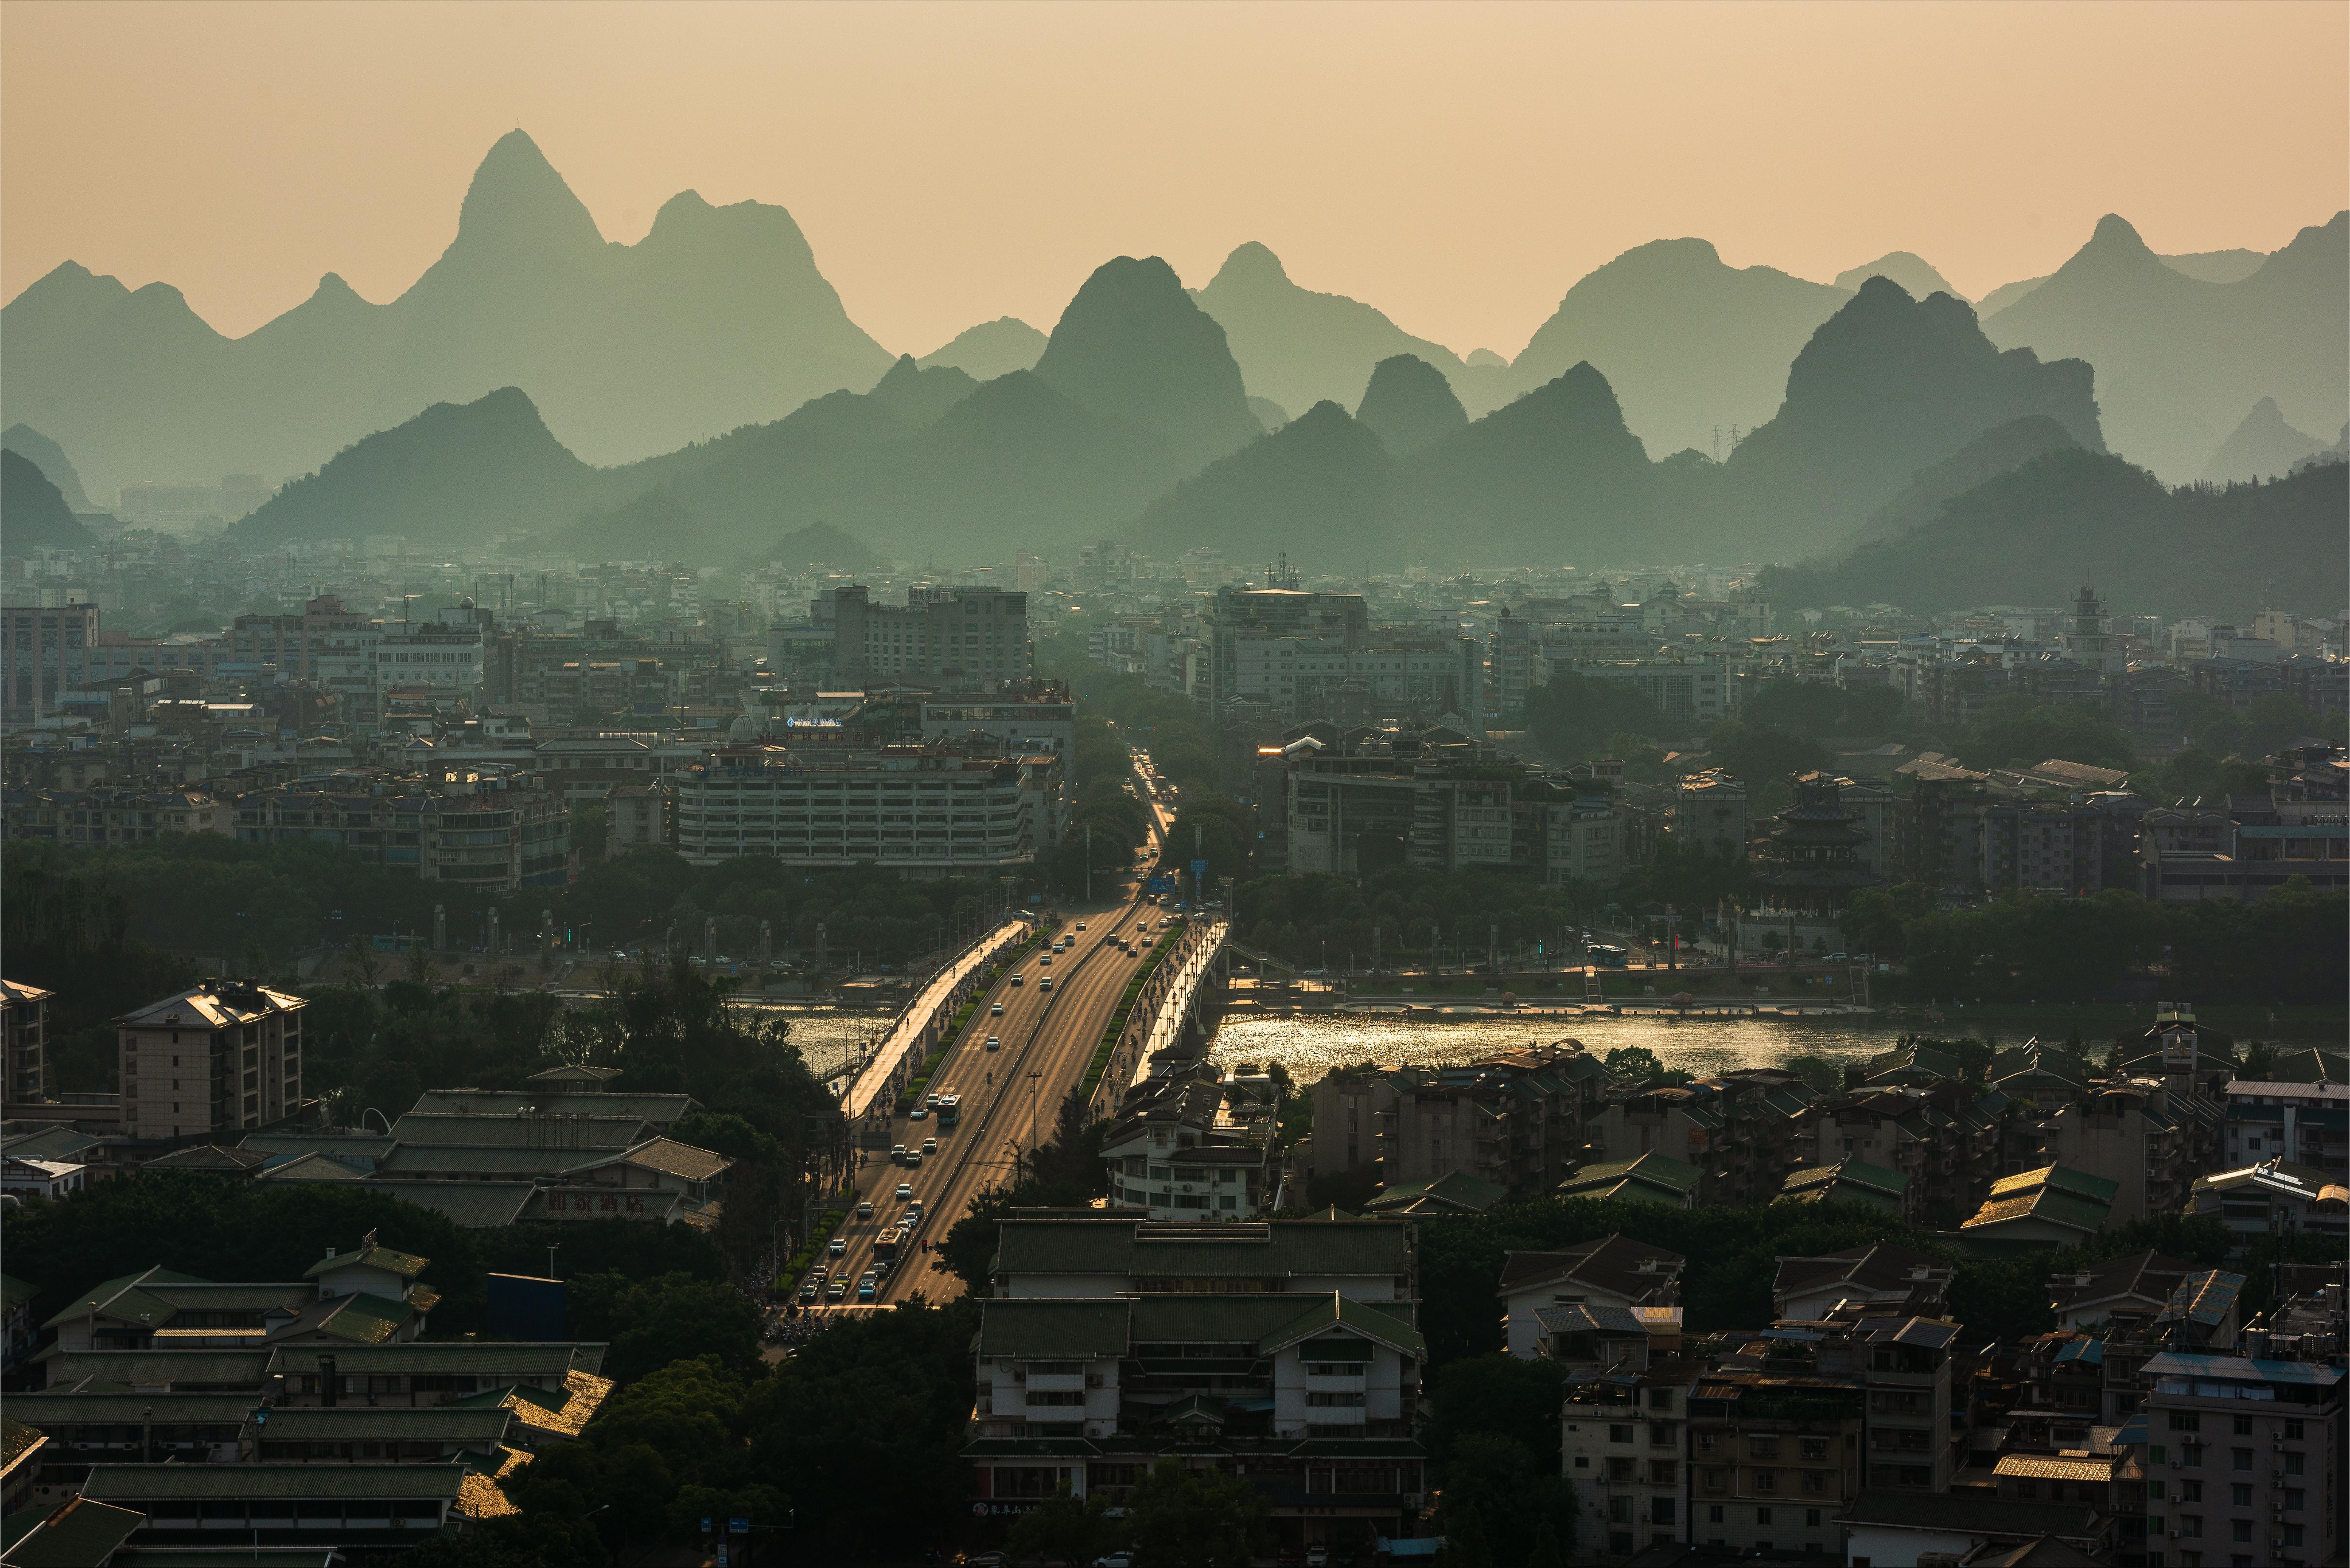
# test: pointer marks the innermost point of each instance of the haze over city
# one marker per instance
(1261, 785)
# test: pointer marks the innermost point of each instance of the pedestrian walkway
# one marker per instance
(880, 1076)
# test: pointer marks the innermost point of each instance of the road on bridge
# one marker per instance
(1011, 1095)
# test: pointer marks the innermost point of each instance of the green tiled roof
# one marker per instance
(1454, 1189)
(1336, 1311)
(1263, 1250)
(1034, 1329)
(103, 1295)
(236, 1368)
(54, 1412)
(364, 1423)
(1670, 1179)
(363, 1319)
(660, 1109)
(16, 1293)
(80, 1533)
(480, 1159)
(484, 1358)
(475, 1205)
(132, 1484)
(571, 1136)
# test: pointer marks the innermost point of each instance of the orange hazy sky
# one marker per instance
(1457, 165)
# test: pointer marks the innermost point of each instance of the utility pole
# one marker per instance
(1035, 1134)
(1089, 863)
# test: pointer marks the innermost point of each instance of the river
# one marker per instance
(1310, 1046)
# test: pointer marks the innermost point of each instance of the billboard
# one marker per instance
(524, 1307)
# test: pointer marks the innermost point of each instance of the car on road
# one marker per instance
(837, 1248)
(1081, 925)
(1045, 983)
(898, 1153)
(1317, 1557)
(865, 1288)
(865, 1209)
(929, 1146)
(984, 1560)
(919, 1114)
(837, 1291)
(1116, 1560)
(807, 1293)
(1019, 980)
(905, 1191)
(993, 1044)
(910, 1219)
(1046, 961)
(995, 1009)
(913, 1159)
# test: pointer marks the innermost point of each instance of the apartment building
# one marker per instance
(115, 816)
(1041, 722)
(2306, 1123)
(1743, 1132)
(2244, 847)
(1693, 692)
(2123, 1130)
(970, 639)
(221, 1058)
(1622, 1424)
(1709, 814)
(1516, 1121)
(1774, 1452)
(925, 810)
(24, 1041)
(1104, 1252)
(47, 652)
(490, 831)
(1191, 1150)
(2243, 1458)
(636, 817)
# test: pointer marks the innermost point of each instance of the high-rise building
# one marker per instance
(224, 1057)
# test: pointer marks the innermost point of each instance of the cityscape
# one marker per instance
(639, 930)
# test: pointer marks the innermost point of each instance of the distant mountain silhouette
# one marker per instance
(32, 512)
(1321, 488)
(1687, 342)
(990, 349)
(1549, 478)
(1999, 450)
(455, 472)
(1298, 346)
(1885, 387)
(50, 458)
(2195, 549)
(2218, 267)
(2180, 358)
(919, 396)
(1907, 269)
(1134, 347)
(822, 545)
(1269, 414)
(1409, 405)
(2263, 447)
(718, 316)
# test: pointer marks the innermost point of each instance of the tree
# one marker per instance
(1496, 1395)
(1763, 754)
(1495, 1488)
(653, 1323)
(1063, 1529)
(1181, 1518)
(2014, 730)
(1573, 717)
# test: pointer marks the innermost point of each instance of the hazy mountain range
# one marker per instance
(717, 317)
(720, 317)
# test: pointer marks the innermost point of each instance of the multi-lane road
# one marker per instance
(1011, 1095)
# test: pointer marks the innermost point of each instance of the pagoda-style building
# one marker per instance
(1811, 859)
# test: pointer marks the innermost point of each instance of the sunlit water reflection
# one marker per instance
(1309, 1047)
(829, 1039)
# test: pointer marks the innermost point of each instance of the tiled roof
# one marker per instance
(1612, 1264)
(668, 1156)
(207, 1157)
(227, 1368)
(475, 1205)
(82, 1532)
(661, 1110)
(2202, 1298)
(52, 1411)
(468, 1428)
(440, 1357)
(140, 1483)
(2043, 1467)
(1455, 1190)
(1268, 1249)
(1032, 1328)
(1974, 1513)
(577, 1135)
(1342, 1311)
(204, 1008)
(310, 1168)
(408, 1265)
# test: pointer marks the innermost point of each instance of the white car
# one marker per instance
(993, 1044)
(905, 1191)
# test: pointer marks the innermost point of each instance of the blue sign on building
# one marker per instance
(1199, 870)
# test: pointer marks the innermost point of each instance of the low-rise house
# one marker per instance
(1878, 1279)
(661, 1112)
(1853, 1181)
(41, 1177)
(1890, 1527)
(1649, 1178)
(2050, 1206)
(420, 1374)
(2275, 1196)
(1614, 1272)
(2137, 1287)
